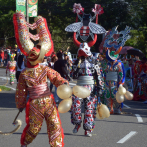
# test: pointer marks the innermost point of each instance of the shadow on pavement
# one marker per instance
(46, 134)
(123, 122)
(7, 100)
(73, 134)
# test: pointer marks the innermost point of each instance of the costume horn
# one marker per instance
(44, 47)
(22, 34)
(91, 43)
(77, 43)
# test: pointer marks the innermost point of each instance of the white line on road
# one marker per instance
(127, 137)
(139, 118)
(127, 106)
(5, 78)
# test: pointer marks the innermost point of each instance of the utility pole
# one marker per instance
(27, 11)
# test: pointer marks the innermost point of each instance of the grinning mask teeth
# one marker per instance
(114, 41)
(84, 50)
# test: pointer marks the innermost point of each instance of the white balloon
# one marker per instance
(121, 90)
(119, 98)
(81, 92)
(129, 95)
(98, 116)
(104, 111)
(65, 105)
(64, 91)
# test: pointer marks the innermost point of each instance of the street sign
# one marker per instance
(21, 6)
(33, 8)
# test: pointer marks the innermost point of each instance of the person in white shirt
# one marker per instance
(44, 62)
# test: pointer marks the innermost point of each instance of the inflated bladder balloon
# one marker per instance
(129, 95)
(98, 116)
(119, 98)
(104, 111)
(81, 92)
(65, 105)
(121, 90)
(64, 91)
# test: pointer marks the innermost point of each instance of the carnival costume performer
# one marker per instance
(114, 74)
(84, 68)
(11, 66)
(140, 80)
(33, 80)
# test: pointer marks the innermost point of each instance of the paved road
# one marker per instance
(127, 130)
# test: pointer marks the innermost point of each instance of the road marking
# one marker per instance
(127, 137)
(5, 78)
(139, 118)
(126, 106)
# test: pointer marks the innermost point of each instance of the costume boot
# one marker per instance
(75, 130)
(88, 133)
(117, 111)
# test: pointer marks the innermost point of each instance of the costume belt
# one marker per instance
(39, 91)
(85, 80)
(12, 68)
(111, 76)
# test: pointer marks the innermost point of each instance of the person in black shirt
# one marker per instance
(61, 68)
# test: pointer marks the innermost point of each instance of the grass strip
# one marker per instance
(3, 88)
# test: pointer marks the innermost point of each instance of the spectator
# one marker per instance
(5, 57)
(54, 58)
(9, 54)
(15, 50)
(68, 63)
(60, 67)
(20, 66)
(1, 57)
(11, 66)
(137, 58)
(44, 62)
(65, 57)
(131, 64)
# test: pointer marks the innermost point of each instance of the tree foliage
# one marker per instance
(59, 14)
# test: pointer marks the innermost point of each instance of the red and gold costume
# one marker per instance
(40, 105)
(140, 81)
(33, 80)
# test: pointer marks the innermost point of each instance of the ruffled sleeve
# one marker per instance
(21, 92)
(55, 77)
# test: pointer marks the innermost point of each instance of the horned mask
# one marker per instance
(85, 28)
(23, 38)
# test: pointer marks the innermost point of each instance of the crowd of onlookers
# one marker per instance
(5, 54)
(61, 62)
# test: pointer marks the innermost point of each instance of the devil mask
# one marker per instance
(22, 35)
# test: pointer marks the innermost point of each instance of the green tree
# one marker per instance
(59, 14)
(7, 9)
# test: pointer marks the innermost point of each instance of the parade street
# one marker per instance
(127, 130)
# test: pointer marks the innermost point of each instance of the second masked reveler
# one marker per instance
(86, 70)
